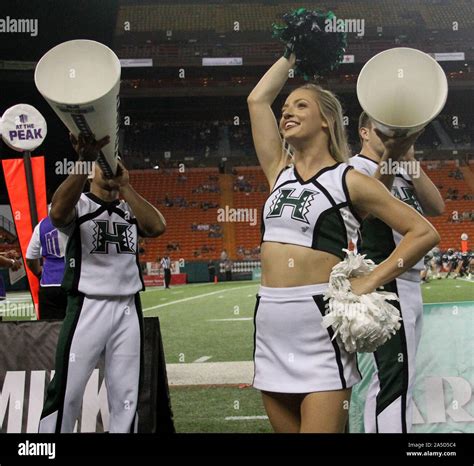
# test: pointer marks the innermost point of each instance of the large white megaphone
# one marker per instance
(402, 90)
(80, 79)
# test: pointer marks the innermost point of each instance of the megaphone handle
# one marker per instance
(102, 161)
(83, 127)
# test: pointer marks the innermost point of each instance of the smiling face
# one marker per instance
(301, 117)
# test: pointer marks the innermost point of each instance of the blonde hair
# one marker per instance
(331, 111)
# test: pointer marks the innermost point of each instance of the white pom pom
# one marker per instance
(361, 323)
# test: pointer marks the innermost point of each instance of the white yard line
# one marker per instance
(210, 373)
(244, 418)
(19, 298)
(229, 320)
(450, 302)
(191, 298)
(152, 289)
(15, 300)
(202, 359)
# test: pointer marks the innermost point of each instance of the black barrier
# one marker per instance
(27, 351)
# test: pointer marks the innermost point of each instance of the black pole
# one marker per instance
(30, 187)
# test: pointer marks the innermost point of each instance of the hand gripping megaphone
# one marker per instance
(80, 79)
(402, 90)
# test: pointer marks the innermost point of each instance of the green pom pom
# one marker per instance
(317, 51)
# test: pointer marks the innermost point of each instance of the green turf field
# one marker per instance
(227, 409)
(213, 323)
(447, 291)
(213, 320)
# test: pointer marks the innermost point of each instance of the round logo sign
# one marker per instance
(23, 127)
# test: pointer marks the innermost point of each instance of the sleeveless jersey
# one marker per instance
(316, 213)
(378, 239)
(102, 251)
(49, 243)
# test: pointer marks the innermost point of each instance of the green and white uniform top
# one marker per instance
(316, 213)
(102, 251)
(378, 239)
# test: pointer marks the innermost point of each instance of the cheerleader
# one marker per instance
(389, 399)
(315, 207)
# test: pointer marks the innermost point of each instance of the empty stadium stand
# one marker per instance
(448, 227)
(154, 186)
(257, 16)
(244, 237)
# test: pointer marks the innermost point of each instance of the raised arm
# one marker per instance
(426, 191)
(395, 150)
(402, 149)
(67, 195)
(150, 220)
(266, 135)
(370, 196)
(65, 198)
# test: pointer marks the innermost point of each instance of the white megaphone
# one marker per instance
(402, 90)
(80, 79)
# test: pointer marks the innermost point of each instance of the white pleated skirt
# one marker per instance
(293, 352)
